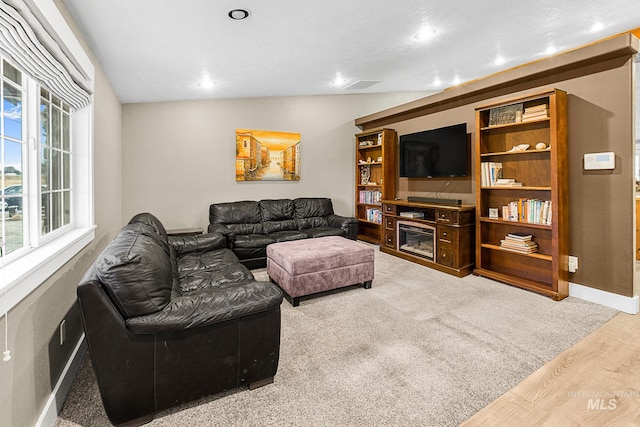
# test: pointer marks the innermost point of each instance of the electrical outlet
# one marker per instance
(63, 331)
(573, 264)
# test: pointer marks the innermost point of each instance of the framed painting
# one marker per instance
(264, 155)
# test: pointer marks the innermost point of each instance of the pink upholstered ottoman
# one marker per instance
(309, 266)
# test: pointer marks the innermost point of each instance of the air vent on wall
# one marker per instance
(362, 84)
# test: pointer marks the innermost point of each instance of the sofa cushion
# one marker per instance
(276, 210)
(213, 277)
(324, 232)
(244, 212)
(252, 241)
(288, 235)
(312, 212)
(135, 270)
(151, 221)
(205, 260)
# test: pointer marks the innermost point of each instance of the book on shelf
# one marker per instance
(535, 112)
(374, 215)
(370, 197)
(490, 173)
(533, 211)
(519, 242)
(521, 237)
(506, 182)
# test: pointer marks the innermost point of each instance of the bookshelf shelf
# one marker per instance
(533, 255)
(543, 174)
(370, 147)
(514, 153)
(506, 187)
(517, 124)
(518, 223)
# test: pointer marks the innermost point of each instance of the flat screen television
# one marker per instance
(442, 152)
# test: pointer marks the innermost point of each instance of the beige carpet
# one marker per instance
(419, 348)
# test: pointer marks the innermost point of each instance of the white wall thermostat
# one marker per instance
(600, 160)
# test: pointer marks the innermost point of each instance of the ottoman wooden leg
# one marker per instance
(367, 284)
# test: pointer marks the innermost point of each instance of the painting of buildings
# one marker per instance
(263, 155)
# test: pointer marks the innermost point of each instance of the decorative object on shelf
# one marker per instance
(541, 146)
(493, 213)
(365, 174)
(379, 158)
(520, 147)
(506, 114)
(368, 159)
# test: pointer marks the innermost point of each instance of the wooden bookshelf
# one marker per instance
(543, 174)
(375, 152)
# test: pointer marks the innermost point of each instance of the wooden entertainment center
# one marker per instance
(434, 235)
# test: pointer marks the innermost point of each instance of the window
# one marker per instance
(55, 162)
(46, 150)
(12, 142)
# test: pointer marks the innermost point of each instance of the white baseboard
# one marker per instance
(629, 305)
(49, 414)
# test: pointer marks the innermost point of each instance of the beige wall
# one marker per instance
(179, 157)
(37, 358)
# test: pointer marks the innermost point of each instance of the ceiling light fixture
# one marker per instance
(437, 82)
(456, 80)
(597, 26)
(425, 34)
(500, 60)
(550, 50)
(238, 14)
(339, 81)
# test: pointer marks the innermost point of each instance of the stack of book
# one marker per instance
(535, 112)
(506, 182)
(521, 243)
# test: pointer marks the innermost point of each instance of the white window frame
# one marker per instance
(25, 274)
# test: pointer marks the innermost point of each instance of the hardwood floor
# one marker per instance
(596, 382)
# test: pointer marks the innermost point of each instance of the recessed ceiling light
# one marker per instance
(206, 83)
(456, 80)
(424, 34)
(437, 82)
(500, 60)
(550, 50)
(339, 80)
(598, 26)
(238, 14)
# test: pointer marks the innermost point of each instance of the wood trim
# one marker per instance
(619, 46)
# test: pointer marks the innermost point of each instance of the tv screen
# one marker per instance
(435, 153)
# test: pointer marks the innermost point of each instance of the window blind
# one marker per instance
(24, 38)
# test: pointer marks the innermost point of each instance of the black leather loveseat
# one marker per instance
(171, 319)
(250, 226)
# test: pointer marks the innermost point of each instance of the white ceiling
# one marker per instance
(161, 50)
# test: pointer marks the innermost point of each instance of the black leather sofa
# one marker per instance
(250, 226)
(171, 319)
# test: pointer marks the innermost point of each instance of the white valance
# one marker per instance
(25, 39)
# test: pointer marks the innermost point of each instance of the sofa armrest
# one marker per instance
(224, 230)
(347, 223)
(208, 307)
(199, 243)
